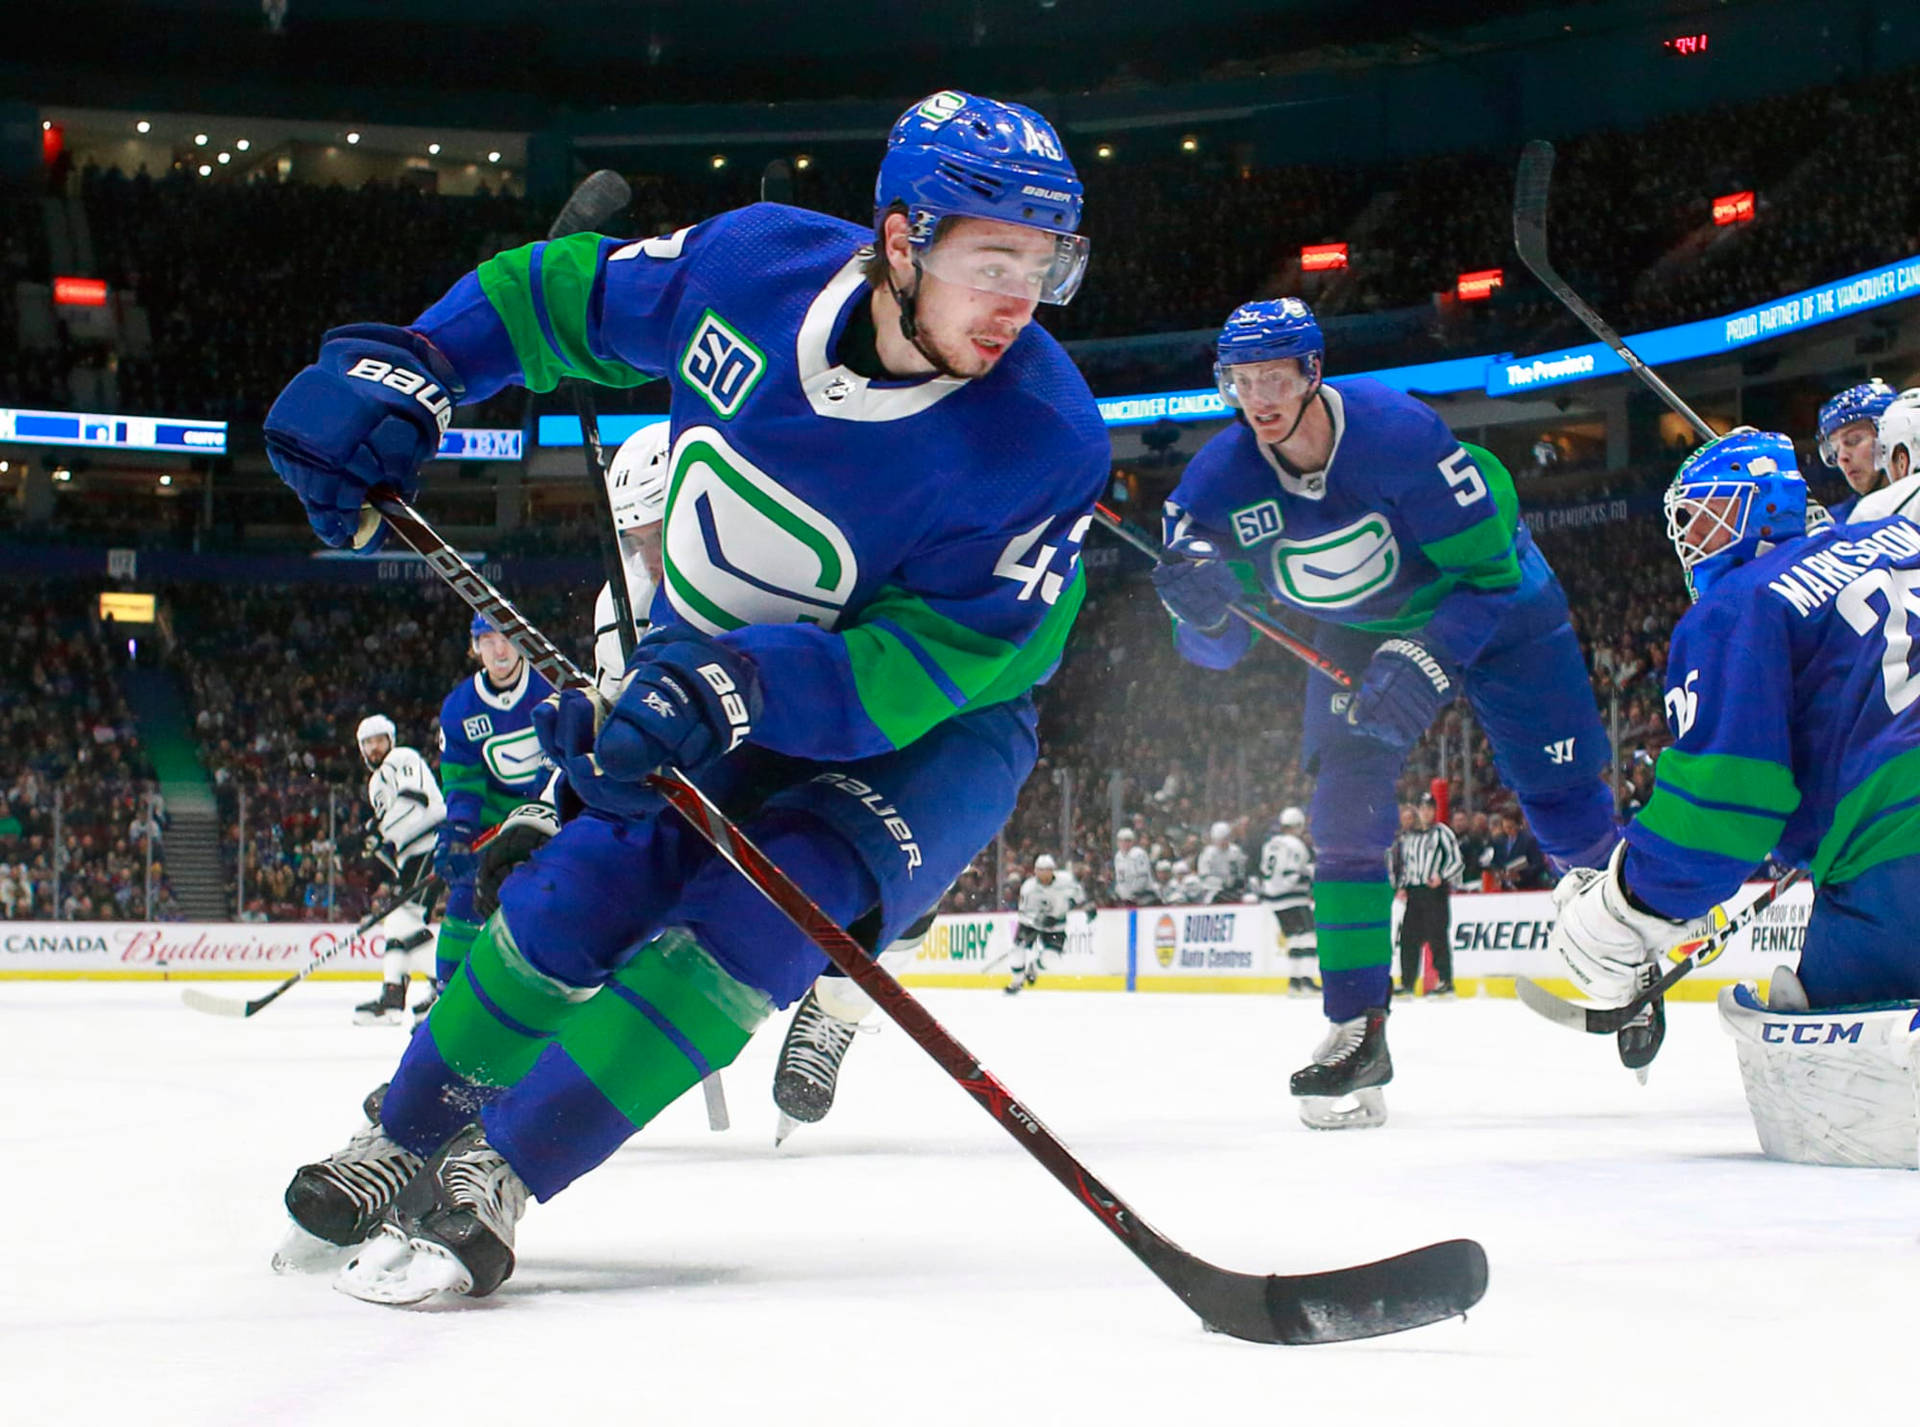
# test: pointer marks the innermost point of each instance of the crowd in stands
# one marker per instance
(237, 280)
(80, 807)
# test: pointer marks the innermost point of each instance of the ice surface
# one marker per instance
(905, 1262)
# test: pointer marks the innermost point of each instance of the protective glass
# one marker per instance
(1705, 518)
(1282, 380)
(1011, 260)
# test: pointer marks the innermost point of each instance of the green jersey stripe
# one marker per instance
(1864, 833)
(1757, 784)
(568, 267)
(1746, 837)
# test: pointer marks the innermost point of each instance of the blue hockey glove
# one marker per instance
(1405, 685)
(568, 725)
(368, 413)
(454, 860)
(689, 699)
(1198, 592)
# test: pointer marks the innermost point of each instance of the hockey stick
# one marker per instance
(1410, 1290)
(1605, 1020)
(222, 1006)
(1295, 646)
(601, 195)
(1530, 241)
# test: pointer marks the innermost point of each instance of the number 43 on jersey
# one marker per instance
(1036, 573)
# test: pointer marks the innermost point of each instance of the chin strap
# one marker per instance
(910, 322)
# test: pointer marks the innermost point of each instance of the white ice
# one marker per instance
(906, 1262)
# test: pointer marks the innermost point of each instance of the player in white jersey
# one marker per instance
(637, 491)
(1897, 451)
(1045, 899)
(1223, 865)
(1132, 869)
(407, 813)
(1286, 883)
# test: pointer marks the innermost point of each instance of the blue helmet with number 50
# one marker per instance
(1267, 331)
(1865, 402)
(1734, 499)
(956, 155)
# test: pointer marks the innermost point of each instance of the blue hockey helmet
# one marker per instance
(1267, 331)
(481, 625)
(1865, 402)
(1734, 499)
(956, 155)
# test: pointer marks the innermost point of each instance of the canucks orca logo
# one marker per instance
(741, 549)
(514, 758)
(1340, 568)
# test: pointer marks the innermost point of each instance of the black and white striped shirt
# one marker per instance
(1422, 853)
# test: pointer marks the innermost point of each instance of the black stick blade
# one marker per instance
(1410, 1290)
(1530, 186)
(601, 194)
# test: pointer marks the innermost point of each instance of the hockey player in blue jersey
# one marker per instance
(1848, 438)
(490, 763)
(1795, 709)
(880, 478)
(1352, 502)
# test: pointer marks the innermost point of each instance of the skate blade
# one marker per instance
(786, 1127)
(1362, 1110)
(301, 1252)
(379, 1018)
(396, 1271)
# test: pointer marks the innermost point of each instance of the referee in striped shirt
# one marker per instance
(1426, 864)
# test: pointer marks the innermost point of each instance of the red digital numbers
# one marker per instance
(1687, 44)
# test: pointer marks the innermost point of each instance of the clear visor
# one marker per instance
(1010, 260)
(1706, 518)
(1854, 433)
(1282, 381)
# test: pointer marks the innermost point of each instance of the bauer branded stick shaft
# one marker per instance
(1410, 1290)
(1605, 1020)
(427, 886)
(1530, 241)
(1295, 646)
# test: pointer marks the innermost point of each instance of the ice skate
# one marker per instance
(1351, 1064)
(809, 1065)
(425, 1003)
(1640, 1039)
(449, 1231)
(389, 1008)
(335, 1203)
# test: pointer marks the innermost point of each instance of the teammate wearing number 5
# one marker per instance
(1352, 502)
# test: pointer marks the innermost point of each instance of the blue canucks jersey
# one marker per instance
(490, 757)
(1792, 699)
(1405, 529)
(890, 553)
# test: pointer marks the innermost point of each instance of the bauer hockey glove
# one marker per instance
(454, 860)
(1197, 592)
(688, 700)
(1602, 937)
(368, 413)
(1405, 685)
(521, 833)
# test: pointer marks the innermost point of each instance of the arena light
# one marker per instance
(223, 157)
(433, 148)
(1479, 286)
(1103, 151)
(206, 170)
(79, 292)
(1731, 208)
(243, 144)
(1323, 257)
(142, 127)
(200, 140)
(354, 137)
(803, 162)
(493, 156)
(1189, 145)
(166, 480)
(719, 161)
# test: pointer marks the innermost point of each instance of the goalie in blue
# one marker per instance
(1795, 710)
(879, 478)
(1351, 502)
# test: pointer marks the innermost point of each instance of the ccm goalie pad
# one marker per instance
(1831, 1087)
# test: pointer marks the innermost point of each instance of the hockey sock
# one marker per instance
(456, 939)
(1353, 921)
(668, 1019)
(485, 1032)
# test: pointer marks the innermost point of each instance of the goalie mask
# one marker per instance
(1734, 500)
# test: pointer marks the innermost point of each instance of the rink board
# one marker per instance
(1221, 948)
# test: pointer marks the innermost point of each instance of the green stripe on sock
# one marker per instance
(475, 1041)
(456, 939)
(1355, 924)
(630, 1059)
